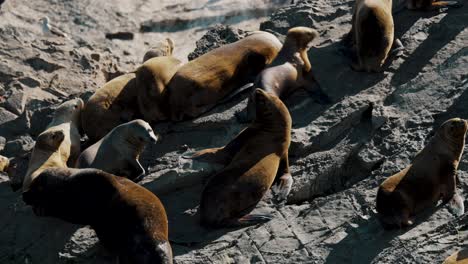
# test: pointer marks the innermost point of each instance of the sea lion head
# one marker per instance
(160, 49)
(4, 163)
(301, 37)
(270, 110)
(70, 110)
(50, 139)
(74, 195)
(47, 192)
(141, 132)
(453, 129)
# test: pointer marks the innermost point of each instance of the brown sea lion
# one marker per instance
(372, 34)
(290, 69)
(151, 79)
(459, 257)
(160, 49)
(4, 163)
(46, 154)
(253, 160)
(431, 4)
(111, 105)
(67, 118)
(129, 220)
(118, 152)
(430, 177)
(201, 83)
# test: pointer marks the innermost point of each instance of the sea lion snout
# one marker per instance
(58, 136)
(154, 137)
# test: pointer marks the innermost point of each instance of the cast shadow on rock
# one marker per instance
(457, 109)
(364, 243)
(439, 35)
(185, 232)
(25, 234)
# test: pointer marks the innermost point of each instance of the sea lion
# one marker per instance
(4, 163)
(372, 34)
(431, 4)
(151, 79)
(67, 118)
(111, 105)
(46, 153)
(459, 257)
(431, 176)
(117, 153)
(201, 83)
(160, 49)
(290, 69)
(129, 220)
(257, 156)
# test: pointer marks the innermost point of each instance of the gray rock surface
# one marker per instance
(341, 150)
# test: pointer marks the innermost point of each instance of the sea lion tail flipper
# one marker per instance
(252, 219)
(440, 4)
(457, 204)
(211, 155)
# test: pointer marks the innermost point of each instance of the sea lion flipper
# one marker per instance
(457, 204)
(211, 155)
(252, 219)
(284, 178)
(225, 154)
(397, 47)
(439, 4)
(132, 170)
(284, 188)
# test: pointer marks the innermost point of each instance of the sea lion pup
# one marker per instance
(129, 220)
(111, 105)
(4, 163)
(118, 152)
(257, 156)
(290, 69)
(459, 257)
(431, 4)
(431, 176)
(201, 83)
(151, 79)
(46, 153)
(67, 118)
(371, 34)
(160, 49)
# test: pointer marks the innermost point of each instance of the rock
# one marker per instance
(16, 102)
(19, 146)
(120, 35)
(39, 63)
(2, 143)
(215, 37)
(360, 129)
(6, 116)
(30, 82)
